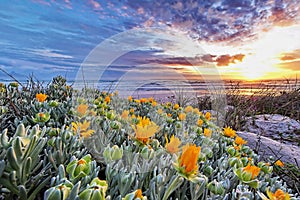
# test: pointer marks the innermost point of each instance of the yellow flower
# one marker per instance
(240, 141)
(138, 194)
(207, 115)
(200, 122)
(82, 108)
(83, 128)
(130, 98)
(137, 101)
(176, 106)
(125, 114)
(207, 132)
(173, 146)
(160, 111)
(154, 103)
(41, 97)
(143, 121)
(253, 170)
(279, 163)
(229, 132)
(196, 111)
(189, 158)
(181, 116)
(133, 116)
(144, 129)
(168, 104)
(278, 195)
(188, 109)
(107, 99)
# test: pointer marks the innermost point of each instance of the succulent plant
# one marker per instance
(97, 145)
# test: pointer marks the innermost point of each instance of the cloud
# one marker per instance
(222, 20)
(96, 5)
(290, 60)
(292, 65)
(225, 60)
(221, 60)
(290, 56)
(50, 53)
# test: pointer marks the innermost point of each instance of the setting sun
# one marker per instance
(264, 57)
(255, 68)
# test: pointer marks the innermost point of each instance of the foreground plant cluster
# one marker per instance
(57, 143)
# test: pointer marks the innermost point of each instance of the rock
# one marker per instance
(266, 147)
(274, 126)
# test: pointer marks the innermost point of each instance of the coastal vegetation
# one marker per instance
(60, 143)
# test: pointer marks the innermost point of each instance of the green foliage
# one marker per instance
(86, 147)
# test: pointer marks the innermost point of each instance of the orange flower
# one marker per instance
(83, 128)
(181, 116)
(41, 97)
(278, 195)
(143, 100)
(159, 111)
(173, 146)
(189, 158)
(207, 115)
(188, 109)
(82, 108)
(207, 132)
(229, 132)
(151, 99)
(196, 111)
(240, 141)
(131, 110)
(144, 129)
(130, 98)
(253, 170)
(169, 114)
(125, 114)
(81, 162)
(279, 163)
(138, 194)
(200, 122)
(237, 147)
(107, 99)
(176, 106)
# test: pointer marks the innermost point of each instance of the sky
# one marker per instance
(113, 39)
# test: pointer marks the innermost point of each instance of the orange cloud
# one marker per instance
(290, 55)
(225, 60)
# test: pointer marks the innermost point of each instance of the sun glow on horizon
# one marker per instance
(262, 58)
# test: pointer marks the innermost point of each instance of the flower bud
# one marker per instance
(79, 168)
(117, 153)
(95, 191)
(115, 125)
(216, 187)
(53, 103)
(58, 192)
(208, 171)
(231, 151)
